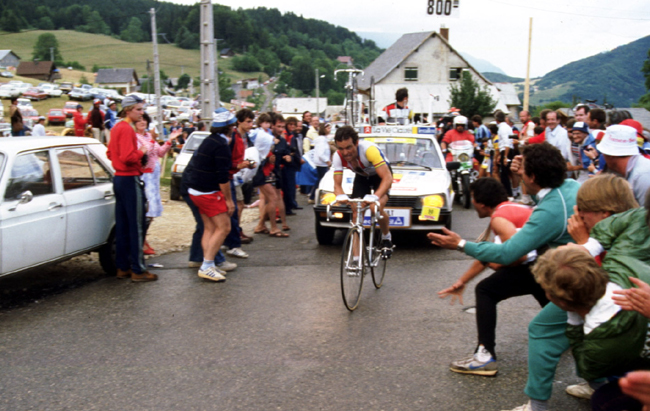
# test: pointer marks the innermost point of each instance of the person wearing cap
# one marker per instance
(207, 180)
(79, 122)
(128, 162)
(586, 158)
(621, 153)
(95, 119)
(110, 119)
(640, 138)
(39, 130)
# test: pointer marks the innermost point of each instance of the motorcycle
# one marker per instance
(463, 152)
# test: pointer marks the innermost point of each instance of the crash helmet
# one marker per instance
(460, 120)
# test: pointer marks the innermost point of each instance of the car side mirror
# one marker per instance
(453, 165)
(25, 197)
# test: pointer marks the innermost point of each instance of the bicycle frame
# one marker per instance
(358, 225)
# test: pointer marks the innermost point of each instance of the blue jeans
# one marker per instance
(196, 251)
(129, 223)
(289, 189)
(233, 240)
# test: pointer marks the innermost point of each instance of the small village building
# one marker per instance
(9, 59)
(345, 60)
(295, 106)
(38, 70)
(123, 79)
(227, 52)
(427, 65)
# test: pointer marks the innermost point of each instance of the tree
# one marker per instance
(644, 101)
(246, 63)
(133, 32)
(186, 40)
(94, 23)
(183, 81)
(45, 23)
(10, 21)
(471, 98)
(226, 93)
(42, 48)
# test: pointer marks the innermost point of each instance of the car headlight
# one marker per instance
(326, 198)
(463, 157)
(178, 168)
(436, 200)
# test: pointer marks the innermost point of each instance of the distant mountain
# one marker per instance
(383, 40)
(481, 65)
(502, 78)
(614, 77)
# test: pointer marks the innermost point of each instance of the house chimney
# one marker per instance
(444, 32)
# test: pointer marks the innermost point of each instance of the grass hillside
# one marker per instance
(90, 49)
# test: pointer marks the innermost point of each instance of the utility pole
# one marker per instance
(527, 83)
(217, 95)
(51, 53)
(156, 72)
(207, 60)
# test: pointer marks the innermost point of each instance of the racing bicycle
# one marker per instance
(361, 253)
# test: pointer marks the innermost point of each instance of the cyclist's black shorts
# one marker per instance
(365, 185)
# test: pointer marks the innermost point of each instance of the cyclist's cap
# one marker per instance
(222, 118)
(131, 100)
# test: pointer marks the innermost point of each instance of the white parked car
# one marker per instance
(182, 160)
(9, 91)
(25, 103)
(56, 202)
(421, 197)
(22, 87)
(52, 90)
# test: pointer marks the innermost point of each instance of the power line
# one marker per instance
(568, 12)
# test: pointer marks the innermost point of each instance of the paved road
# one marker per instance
(275, 336)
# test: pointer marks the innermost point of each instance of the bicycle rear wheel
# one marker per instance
(378, 264)
(352, 270)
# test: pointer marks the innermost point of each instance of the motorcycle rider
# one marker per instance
(458, 133)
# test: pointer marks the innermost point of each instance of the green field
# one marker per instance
(105, 51)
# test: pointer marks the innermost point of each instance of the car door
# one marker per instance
(32, 231)
(89, 198)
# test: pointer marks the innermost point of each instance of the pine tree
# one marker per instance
(471, 98)
(42, 48)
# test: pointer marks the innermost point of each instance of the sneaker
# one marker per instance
(525, 407)
(124, 274)
(227, 266)
(582, 390)
(311, 202)
(212, 273)
(194, 264)
(481, 363)
(386, 247)
(237, 252)
(146, 276)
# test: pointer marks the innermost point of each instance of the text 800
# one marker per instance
(439, 7)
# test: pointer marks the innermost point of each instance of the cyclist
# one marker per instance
(372, 172)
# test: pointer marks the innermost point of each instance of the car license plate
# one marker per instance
(398, 217)
(430, 213)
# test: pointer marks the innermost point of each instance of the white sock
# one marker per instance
(482, 354)
(207, 264)
(386, 236)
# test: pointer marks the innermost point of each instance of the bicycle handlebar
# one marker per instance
(359, 208)
(348, 70)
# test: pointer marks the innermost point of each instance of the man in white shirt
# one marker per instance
(557, 136)
(505, 148)
(39, 128)
(528, 128)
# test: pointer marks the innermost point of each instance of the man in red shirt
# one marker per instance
(79, 122)
(458, 133)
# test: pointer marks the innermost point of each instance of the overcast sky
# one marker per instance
(492, 30)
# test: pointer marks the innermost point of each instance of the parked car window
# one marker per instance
(2, 162)
(75, 170)
(102, 175)
(31, 171)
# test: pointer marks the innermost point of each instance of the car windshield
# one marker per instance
(194, 142)
(408, 151)
(56, 112)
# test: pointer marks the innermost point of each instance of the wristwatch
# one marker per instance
(461, 245)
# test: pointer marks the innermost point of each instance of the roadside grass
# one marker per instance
(106, 51)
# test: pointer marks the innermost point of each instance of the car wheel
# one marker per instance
(107, 255)
(324, 235)
(174, 190)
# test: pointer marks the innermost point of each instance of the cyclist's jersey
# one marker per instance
(370, 158)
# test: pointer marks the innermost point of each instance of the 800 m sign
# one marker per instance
(443, 8)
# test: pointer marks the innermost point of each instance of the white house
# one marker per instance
(125, 79)
(426, 64)
(295, 106)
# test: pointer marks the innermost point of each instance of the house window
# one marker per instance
(410, 74)
(455, 73)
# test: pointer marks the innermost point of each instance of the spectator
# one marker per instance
(306, 122)
(490, 200)
(596, 119)
(557, 136)
(528, 128)
(617, 116)
(322, 156)
(110, 120)
(506, 152)
(208, 187)
(130, 199)
(69, 121)
(243, 191)
(586, 158)
(151, 173)
(562, 118)
(622, 157)
(312, 133)
(17, 123)
(580, 112)
(399, 112)
(39, 129)
(80, 121)
(95, 119)
(282, 155)
(294, 141)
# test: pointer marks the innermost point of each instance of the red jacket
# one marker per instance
(238, 152)
(79, 124)
(123, 150)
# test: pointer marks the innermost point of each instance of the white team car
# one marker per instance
(420, 198)
(56, 202)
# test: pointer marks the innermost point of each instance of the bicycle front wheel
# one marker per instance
(378, 264)
(352, 268)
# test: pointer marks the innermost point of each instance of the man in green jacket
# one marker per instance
(543, 170)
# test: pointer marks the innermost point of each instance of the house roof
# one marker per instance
(508, 93)
(298, 105)
(398, 52)
(4, 53)
(225, 51)
(34, 68)
(344, 59)
(113, 76)
(641, 115)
